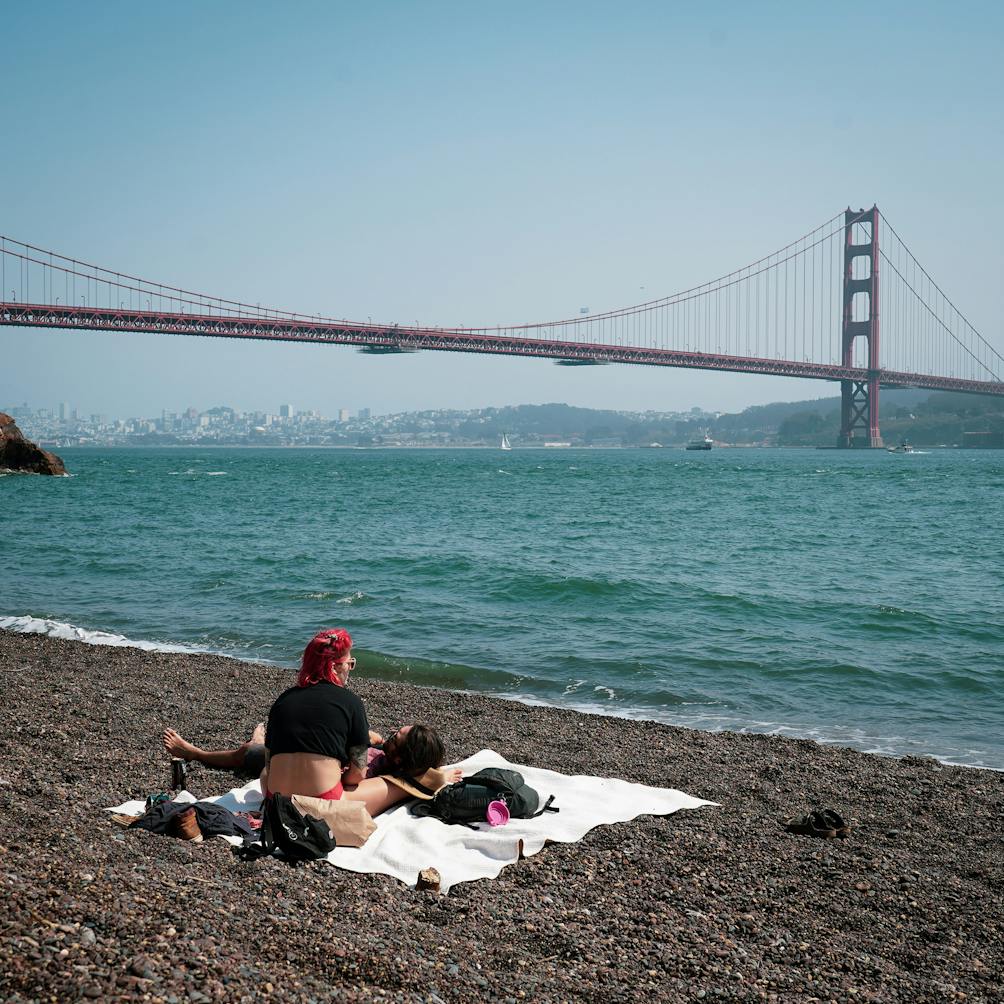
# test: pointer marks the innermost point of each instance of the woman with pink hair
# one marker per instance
(317, 737)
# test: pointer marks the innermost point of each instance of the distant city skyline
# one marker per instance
(68, 411)
(459, 165)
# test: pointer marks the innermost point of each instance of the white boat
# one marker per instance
(704, 442)
(504, 445)
(903, 447)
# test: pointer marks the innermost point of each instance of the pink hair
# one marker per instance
(320, 655)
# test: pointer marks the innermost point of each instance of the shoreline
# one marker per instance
(522, 448)
(70, 632)
(718, 900)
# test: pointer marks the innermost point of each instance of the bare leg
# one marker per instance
(378, 794)
(175, 746)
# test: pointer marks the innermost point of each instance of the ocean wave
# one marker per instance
(357, 597)
(527, 586)
(825, 735)
(71, 632)
(8, 472)
(511, 687)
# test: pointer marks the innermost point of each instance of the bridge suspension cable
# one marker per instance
(783, 314)
(923, 330)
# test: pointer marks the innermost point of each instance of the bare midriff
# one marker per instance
(303, 773)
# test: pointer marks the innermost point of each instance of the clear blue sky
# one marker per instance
(459, 163)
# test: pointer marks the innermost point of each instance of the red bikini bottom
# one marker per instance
(332, 793)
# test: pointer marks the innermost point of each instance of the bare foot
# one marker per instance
(258, 736)
(174, 745)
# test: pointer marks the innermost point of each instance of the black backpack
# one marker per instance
(285, 828)
(467, 801)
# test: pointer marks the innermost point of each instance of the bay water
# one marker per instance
(848, 597)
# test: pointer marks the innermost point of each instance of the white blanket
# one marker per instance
(403, 845)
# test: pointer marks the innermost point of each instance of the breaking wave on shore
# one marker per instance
(596, 700)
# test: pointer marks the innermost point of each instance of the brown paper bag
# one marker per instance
(349, 822)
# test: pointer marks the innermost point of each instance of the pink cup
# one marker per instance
(497, 813)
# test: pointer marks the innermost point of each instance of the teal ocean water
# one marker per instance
(855, 598)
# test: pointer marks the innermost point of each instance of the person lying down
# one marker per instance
(407, 763)
(317, 741)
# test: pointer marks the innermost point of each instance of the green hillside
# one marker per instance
(920, 418)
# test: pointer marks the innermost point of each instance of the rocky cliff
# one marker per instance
(20, 454)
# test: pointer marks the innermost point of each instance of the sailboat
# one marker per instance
(504, 445)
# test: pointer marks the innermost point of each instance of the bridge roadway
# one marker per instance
(393, 338)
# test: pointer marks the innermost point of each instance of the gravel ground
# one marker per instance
(715, 904)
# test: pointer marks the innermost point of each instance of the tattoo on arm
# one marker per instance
(358, 756)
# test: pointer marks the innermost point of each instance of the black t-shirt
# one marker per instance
(322, 718)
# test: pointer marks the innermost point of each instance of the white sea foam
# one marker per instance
(215, 474)
(6, 472)
(70, 632)
(352, 598)
(835, 735)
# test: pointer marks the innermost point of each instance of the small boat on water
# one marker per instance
(903, 447)
(704, 442)
(504, 445)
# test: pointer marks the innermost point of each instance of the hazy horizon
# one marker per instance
(6, 406)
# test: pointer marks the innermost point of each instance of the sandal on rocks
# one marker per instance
(812, 824)
(835, 821)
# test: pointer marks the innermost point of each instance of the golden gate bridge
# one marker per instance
(809, 310)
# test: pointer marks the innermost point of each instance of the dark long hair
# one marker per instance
(420, 749)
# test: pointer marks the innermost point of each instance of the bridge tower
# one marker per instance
(859, 399)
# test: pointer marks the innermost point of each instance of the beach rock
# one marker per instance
(20, 454)
(428, 878)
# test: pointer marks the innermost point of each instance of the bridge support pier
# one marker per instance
(859, 399)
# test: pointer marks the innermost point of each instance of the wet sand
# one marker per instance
(713, 904)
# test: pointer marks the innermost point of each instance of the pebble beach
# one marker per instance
(712, 904)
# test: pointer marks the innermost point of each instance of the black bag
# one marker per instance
(284, 828)
(467, 801)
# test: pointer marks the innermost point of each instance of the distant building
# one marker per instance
(343, 414)
(364, 414)
(64, 411)
(285, 411)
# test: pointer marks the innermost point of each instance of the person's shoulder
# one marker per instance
(285, 695)
(352, 699)
(338, 695)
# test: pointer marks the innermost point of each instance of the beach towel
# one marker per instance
(403, 844)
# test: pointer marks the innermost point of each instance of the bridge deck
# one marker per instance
(481, 340)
